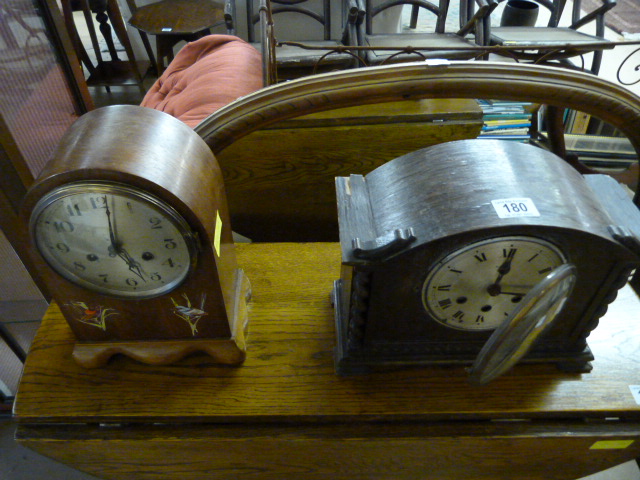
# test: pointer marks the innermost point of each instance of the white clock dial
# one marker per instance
(113, 239)
(480, 285)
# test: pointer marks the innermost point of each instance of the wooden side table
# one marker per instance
(172, 21)
(285, 415)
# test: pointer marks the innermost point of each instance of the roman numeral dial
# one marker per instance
(478, 286)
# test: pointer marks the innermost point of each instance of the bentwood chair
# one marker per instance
(298, 38)
(432, 40)
(553, 43)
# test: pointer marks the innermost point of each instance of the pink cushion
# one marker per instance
(204, 76)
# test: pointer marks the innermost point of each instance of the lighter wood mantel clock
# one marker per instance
(130, 222)
(285, 414)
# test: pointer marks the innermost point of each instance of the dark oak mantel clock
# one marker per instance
(476, 252)
(130, 224)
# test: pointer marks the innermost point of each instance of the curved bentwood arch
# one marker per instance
(435, 79)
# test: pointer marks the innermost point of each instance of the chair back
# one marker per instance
(597, 16)
(578, 20)
(438, 12)
(103, 71)
(314, 14)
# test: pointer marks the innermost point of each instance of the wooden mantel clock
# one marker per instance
(476, 252)
(130, 224)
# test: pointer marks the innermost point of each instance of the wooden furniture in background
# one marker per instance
(43, 91)
(314, 17)
(173, 21)
(285, 414)
(571, 43)
(280, 180)
(449, 45)
(106, 73)
(366, 86)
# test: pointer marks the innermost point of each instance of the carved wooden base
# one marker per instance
(227, 351)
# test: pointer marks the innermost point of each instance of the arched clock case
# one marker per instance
(131, 233)
(442, 246)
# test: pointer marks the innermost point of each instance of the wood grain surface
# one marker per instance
(280, 180)
(289, 372)
(285, 415)
(178, 16)
(412, 81)
(373, 452)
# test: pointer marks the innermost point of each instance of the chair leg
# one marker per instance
(162, 48)
(414, 17)
(147, 47)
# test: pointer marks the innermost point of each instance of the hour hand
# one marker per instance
(131, 263)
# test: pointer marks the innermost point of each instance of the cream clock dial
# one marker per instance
(113, 239)
(479, 286)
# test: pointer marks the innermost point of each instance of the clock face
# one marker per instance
(113, 239)
(479, 286)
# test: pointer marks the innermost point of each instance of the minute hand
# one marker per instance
(506, 266)
(117, 248)
(112, 235)
(495, 288)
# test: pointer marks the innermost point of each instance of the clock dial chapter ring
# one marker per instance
(478, 286)
(113, 239)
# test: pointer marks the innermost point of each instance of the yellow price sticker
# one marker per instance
(611, 444)
(217, 233)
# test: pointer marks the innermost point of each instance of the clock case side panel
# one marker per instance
(160, 155)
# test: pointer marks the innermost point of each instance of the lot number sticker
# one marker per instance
(515, 207)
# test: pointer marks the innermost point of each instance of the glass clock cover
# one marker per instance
(514, 338)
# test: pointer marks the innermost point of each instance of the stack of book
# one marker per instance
(596, 143)
(602, 152)
(506, 120)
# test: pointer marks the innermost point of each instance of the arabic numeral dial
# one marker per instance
(113, 239)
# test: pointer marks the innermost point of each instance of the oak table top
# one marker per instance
(285, 415)
(289, 372)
